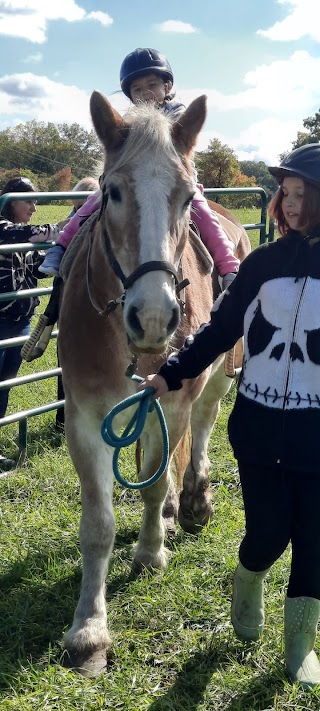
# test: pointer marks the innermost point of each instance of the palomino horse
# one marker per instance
(139, 238)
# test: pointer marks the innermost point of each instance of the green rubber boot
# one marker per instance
(247, 611)
(301, 615)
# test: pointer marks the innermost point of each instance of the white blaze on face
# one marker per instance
(153, 184)
(153, 294)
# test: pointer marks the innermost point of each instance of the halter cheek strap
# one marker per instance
(152, 266)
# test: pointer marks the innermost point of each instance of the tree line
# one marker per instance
(55, 157)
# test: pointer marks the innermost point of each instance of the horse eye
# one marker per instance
(114, 193)
(187, 202)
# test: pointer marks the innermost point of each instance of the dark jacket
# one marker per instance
(173, 108)
(275, 303)
(18, 270)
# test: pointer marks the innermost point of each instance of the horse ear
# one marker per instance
(109, 125)
(186, 129)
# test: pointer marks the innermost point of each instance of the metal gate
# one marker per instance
(22, 416)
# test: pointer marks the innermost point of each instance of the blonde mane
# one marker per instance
(150, 130)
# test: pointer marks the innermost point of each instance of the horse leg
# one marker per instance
(160, 499)
(180, 459)
(195, 498)
(88, 639)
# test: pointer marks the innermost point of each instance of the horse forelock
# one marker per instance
(150, 131)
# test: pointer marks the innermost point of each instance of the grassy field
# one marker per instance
(174, 647)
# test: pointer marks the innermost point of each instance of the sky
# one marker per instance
(258, 62)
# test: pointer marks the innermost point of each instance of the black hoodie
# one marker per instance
(275, 303)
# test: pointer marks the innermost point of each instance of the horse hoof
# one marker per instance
(88, 664)
(170, 527)
(190, 523)
(138, 568)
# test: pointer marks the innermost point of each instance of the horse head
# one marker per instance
(147, 188)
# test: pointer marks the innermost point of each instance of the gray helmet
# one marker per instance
(141, 61)
(303, 162)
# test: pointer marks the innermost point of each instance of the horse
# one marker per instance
(122, 296)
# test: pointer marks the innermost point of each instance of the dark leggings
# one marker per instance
(282, 506)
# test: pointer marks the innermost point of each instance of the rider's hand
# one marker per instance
(154, 381)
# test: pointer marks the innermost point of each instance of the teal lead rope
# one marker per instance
(133, 431)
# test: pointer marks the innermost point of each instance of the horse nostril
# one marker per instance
(174, 321)
(134, 322)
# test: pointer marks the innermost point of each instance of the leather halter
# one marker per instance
(152, 266)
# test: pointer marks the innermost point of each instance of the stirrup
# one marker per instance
(233, 360)
(35, 346)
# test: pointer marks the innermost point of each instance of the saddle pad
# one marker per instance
(201, 250)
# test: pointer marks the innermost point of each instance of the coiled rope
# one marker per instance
(133, 431)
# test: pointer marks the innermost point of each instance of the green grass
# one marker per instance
(173, 644)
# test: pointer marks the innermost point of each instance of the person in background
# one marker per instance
(275, 423)
(85, 184)
(18, 270)
(146, 75)
(52, 261)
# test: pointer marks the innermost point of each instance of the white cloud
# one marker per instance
(289, 86)
(265, 140)
(101, 17)
(284, 91)
(302, 21)
(176, 26)
(262, 140)
(29, 96)
(39, 98)
(28, 19)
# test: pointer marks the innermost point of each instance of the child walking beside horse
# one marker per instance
(275, 303)
(146, 76)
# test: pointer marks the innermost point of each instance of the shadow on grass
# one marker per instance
(50, 437)
(260, 693)
(189, 689)
(34, 615)
(39, 440)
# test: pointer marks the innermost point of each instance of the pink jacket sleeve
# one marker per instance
(91, 204)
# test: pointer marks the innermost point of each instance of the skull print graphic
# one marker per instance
(282, 345)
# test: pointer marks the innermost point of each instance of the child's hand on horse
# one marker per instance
(154, 381)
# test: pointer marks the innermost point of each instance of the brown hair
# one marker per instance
(86, 183)
(15, 185)
(310, 213)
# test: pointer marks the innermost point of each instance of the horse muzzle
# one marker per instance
(135, 350)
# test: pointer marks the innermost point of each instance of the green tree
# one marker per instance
(259, 171)
(217, 165)
(311, 135)
(46, 148)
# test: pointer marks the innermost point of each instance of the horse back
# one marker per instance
(233, 228)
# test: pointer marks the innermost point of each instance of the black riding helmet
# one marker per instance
(141, 61)
(303, 162)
